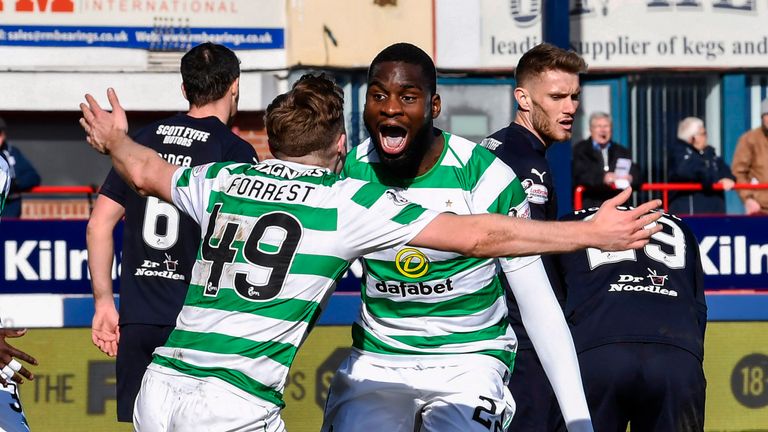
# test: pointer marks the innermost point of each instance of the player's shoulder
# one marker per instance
(461, 152)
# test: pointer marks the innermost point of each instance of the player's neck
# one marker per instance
(219, 109)
(524, 120)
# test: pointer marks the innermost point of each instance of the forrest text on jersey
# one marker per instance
(257, 189)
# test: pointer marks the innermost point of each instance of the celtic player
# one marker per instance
(275, 236)
(432, 347)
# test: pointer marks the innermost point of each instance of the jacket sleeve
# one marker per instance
(26, 174)
(585, 171)
(741, 165)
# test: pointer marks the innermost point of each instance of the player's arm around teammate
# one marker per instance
(488, 235)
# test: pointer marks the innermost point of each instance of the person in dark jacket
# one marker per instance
(24, 176)
(692, 160)
(594, 163)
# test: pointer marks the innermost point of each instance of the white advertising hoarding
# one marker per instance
(609, 34)
(699, 34)
(484, 34)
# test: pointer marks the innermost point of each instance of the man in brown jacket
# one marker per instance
(750, 164)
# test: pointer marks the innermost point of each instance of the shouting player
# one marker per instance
(275, 236)
(438, 358)
(159, 242)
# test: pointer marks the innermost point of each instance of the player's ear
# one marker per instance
(184, 91)
(234, 89)
(436, 105)
(523, 98)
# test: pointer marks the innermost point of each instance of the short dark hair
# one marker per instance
(207, 71)
(545, 57)
(410, 54)
(306, 119)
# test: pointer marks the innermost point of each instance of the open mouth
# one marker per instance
(566, 124)
(393, 139)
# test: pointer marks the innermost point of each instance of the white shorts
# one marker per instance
(425, 393)
(12, 417)
(169, 401)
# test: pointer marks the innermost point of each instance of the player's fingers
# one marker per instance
(21, 355)
(86, 127)
(92, 104)
(647, 207)
(87, 113)
(113, 100)
(647, 221)
(620, 198)
(14, 333)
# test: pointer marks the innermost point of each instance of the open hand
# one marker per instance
(102, 127)
(12, 370)
(618, 230)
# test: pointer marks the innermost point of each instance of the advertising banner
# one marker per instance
(51, 256)
(610, 35)
(143, 24)
(494, 35)
(74, 389)
(734, 251)
(670, 34)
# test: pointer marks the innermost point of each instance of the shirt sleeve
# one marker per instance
(378, 218)
(191, 188)
(114, 188)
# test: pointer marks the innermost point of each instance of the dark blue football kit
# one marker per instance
(638, 318)
(537, 407)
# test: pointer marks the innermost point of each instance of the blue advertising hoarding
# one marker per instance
(51, 256)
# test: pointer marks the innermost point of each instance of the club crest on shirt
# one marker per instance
(396, 198)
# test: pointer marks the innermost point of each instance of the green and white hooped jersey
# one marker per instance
(423, 301)
(276, 235)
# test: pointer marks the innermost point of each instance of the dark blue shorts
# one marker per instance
(537, 408)
(134, 353)
(651, 386)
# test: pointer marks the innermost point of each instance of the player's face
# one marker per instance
(554, 101)
(399, 110)
(600, 130)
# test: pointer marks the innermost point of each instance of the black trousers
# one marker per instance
(134, 353)
(651, 386)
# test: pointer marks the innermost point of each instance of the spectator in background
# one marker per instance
(750, 164)
(23, 175)
(692, 160)
(594, 163)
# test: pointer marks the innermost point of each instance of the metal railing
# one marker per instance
(665, 188)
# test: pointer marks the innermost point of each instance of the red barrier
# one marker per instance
(665, 188)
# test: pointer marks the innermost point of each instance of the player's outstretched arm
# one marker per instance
(494, 235)
(551, 337)
(105, 332)
(140, 166)
(10, 356)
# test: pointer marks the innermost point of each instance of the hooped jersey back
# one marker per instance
(159, 242)
(419, 301)
(275, 237)
(653, 294)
